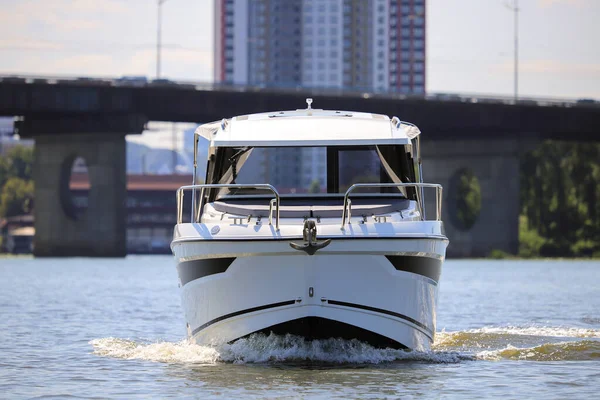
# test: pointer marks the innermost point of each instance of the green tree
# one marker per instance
(19, 162)
(560, 187)
(16, 197)
(16, 185)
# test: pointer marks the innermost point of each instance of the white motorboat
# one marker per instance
(310, 222)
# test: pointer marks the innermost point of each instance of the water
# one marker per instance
(99, 328)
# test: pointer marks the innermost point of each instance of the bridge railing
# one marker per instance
(365, 92)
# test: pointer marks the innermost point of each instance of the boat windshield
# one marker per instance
(310, 171)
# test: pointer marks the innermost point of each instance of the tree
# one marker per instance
(560, 187)
(16, 185)
(19, 162)
(16, 197)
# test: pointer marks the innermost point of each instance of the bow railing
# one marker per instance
(197, 207)
(275, 203)
(347, 209)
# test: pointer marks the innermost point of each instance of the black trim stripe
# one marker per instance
(425, 266)
(382, 311)
(196, 269)
(246, 311)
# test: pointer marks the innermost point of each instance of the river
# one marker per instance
(114, 328)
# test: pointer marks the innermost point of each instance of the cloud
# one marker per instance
(28, 44)
(557, 67)
(194, 66)
(60, 15)
(550, 3)
(176, 64)
(95, 6)
(93, 64)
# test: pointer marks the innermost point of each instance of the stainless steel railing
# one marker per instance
(275, 203)
(196, 208)
(346, 211)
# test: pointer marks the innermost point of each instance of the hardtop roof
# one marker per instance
(308, 127)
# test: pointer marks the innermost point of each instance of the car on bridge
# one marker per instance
(12, 79)
(587, 102)
(162, 82)
(135, 81)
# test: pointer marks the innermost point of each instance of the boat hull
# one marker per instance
(381, 291)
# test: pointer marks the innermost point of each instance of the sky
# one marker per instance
(469, 43)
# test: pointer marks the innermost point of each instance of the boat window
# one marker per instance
(358, 166)
(312, 171)
(292, 170)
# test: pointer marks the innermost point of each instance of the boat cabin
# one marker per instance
(311, 157)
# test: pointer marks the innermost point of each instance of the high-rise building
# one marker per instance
(374, 45)
(371, 45)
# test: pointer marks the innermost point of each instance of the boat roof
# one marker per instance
(308, 127)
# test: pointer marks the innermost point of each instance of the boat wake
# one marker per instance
(492, 344)
(523, 343)
(260, 348)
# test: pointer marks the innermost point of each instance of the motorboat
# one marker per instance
(313, 223)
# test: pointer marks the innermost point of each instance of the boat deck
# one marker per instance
(313, 207)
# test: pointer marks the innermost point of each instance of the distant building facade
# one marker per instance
(376, 45)
(367, 45)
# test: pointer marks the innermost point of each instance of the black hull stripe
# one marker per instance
(196, 269)
(428, 331)
(246, 311)
(425, 266)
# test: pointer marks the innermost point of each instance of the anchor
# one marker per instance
(309, 234)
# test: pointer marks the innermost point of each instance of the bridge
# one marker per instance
(89, 117)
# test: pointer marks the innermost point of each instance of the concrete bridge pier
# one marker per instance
(100, 140)
(101, 230)
(495, 164)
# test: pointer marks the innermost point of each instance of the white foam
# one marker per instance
(562, 351)
(183, 351)
(266, 349)
(261, 348)
(449, 347)
(496, 355)
(546, 331)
